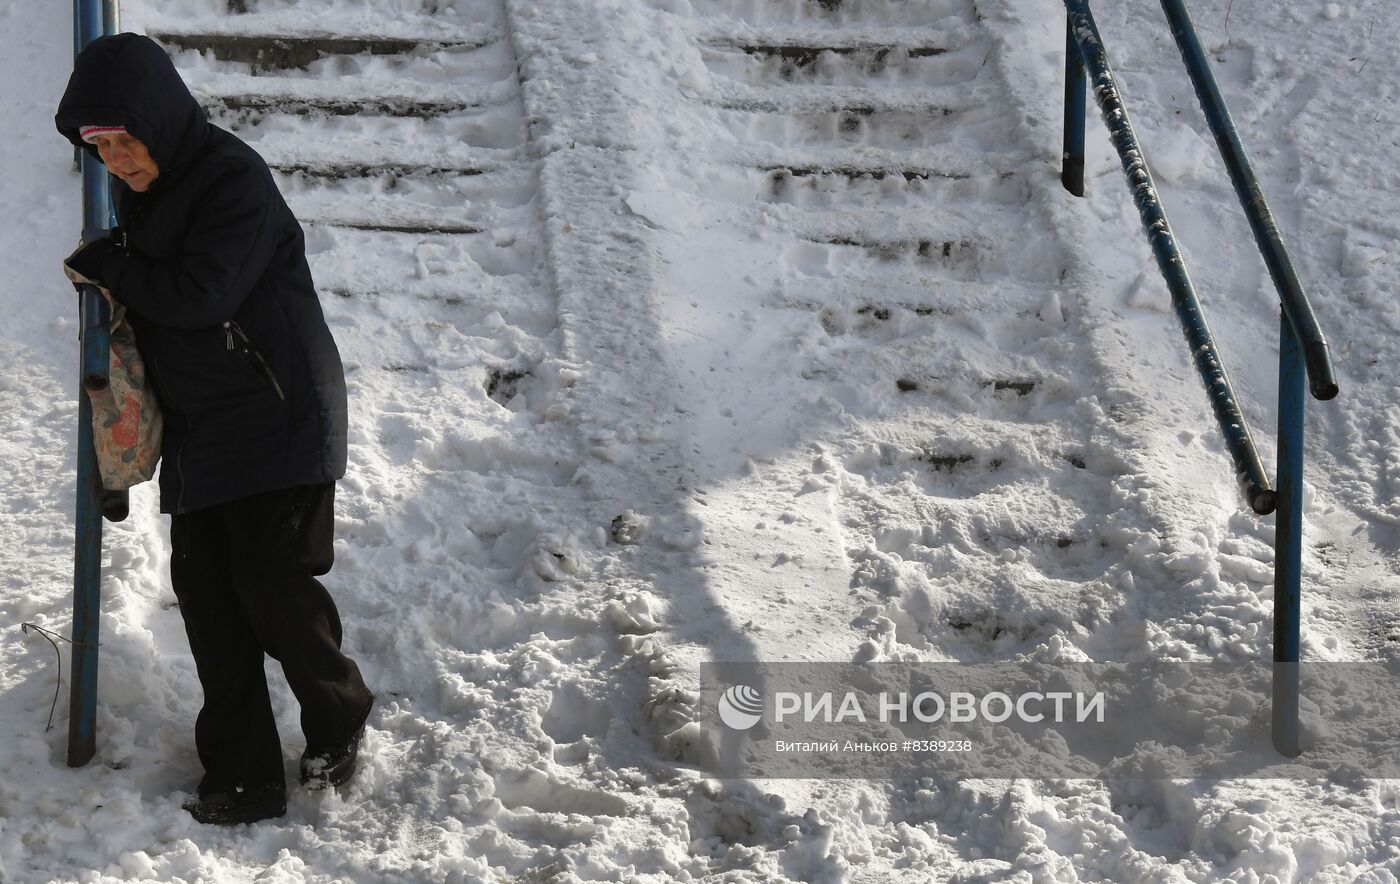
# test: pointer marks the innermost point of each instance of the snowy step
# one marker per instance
(269, 51)
(411, 193)
(978, 444)
(779, 175)
(441, 300)
(795, 56)
(362, 261)
(838, 223)
(895, 249)
(841, 189)
(1045, 499)
(878, 263)
(390, 225)
(944, 365)
(388, 143)
(931, 235)
(352, 91)
(945, 33)
(251, 108)
(845, 211)
(1015, 387)
(277, 130)
(897, 64)
(886, 296)
(914, 353)
(826, 122)
(337, 171)
(306, 19)
(848, 264)
(912, 161)
(846, 13)
(831, 190)
(304, 102)
(414, 204)
(447, 292)
(849, 102)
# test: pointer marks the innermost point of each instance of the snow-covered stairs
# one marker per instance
(863, 167)
(887, 412)
(676, 331)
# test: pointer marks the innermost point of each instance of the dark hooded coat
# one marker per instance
(211, 265)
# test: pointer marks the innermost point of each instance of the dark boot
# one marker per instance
(324, 767)
(230, 805)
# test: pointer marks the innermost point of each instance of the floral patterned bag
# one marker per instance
(126, 421)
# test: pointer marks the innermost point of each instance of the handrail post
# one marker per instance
(92, 19)
(1304, 363)
(1288, 539)
(1072, 160)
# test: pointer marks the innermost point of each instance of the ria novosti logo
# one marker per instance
(741, 707)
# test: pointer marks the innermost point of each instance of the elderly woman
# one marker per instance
(211, 266)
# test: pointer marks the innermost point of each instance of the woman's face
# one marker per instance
(127, 158)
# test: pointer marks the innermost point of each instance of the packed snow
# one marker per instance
(669, 341)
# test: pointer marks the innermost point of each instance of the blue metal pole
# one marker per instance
(1172, 264)
(1251, 196)
(91, 21)
(1288, 540)
(1072, 161)
(77, 47)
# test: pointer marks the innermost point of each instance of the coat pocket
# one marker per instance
(250, 353)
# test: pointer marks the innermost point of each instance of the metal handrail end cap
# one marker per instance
(1263, 500)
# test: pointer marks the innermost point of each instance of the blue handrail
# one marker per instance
(1251, 196)
(1238, 440)
(91, 19)
(1302, 348)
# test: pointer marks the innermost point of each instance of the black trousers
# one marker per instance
(244, 573)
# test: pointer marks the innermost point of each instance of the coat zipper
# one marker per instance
(180, 467)
(229, 328)
(137, 205)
